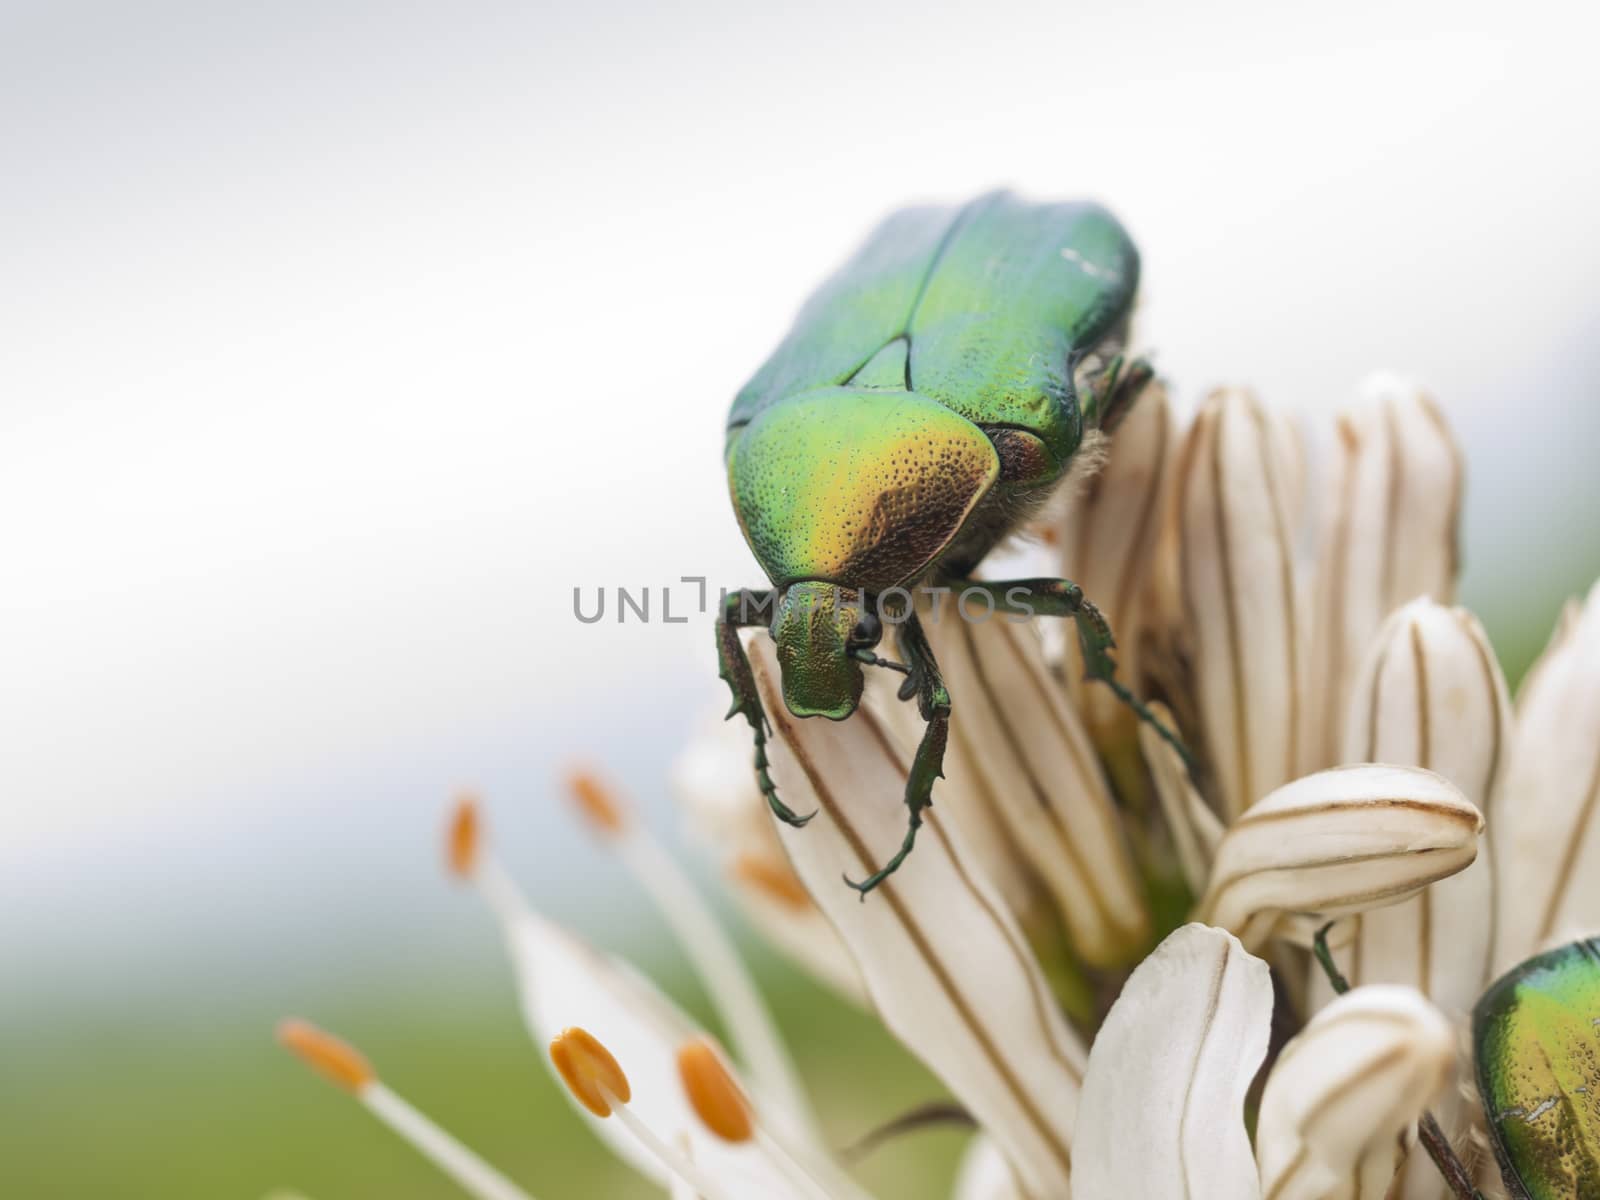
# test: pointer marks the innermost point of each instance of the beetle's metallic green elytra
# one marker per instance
(1536, 1033)
(925, 402)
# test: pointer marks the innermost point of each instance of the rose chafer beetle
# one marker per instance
(1536, 1038)
(930, 397)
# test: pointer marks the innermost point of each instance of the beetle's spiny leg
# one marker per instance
(933, 700)
(1063, 598)
(734, 668)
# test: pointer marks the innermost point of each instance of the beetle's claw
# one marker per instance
(793, 819)
(867, 885)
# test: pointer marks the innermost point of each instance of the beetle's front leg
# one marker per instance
(933, 701)
(1063, 598)
(734, 667)
(1113, 394)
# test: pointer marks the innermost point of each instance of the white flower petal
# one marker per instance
(1388, 535)
(1238, 481)
(1344, 1091)
(1014, 735)
(715, 786)
(1431, 695)
(965, 801)
(563, 982)
(1162, 1112)
(984, 1174)
(1550, 815)
(1196, 830)
(1338, 842)
(944, 960)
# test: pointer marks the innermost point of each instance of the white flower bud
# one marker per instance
(1550, 811)
(1343, 1093)
(1431, 695)
(1238, 481)
(1388, 535)
(1339, 842)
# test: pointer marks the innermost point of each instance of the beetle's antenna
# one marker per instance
(872, 660)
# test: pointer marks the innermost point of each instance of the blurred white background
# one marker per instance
(340, 341)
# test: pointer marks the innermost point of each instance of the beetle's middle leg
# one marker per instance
(734, 667)
(1063, 598)
(933, 701)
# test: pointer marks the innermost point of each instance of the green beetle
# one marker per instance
(926, 402)
(1536, 1036)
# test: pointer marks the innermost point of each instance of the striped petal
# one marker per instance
(1163, 1101)
(716, 790)
(1344, 1092)
(1431, 695)
(943, 959)
(1107, 537)
(1388, 535)
(1196, 830)
(1019, 749)
(1339, 842)
(1551, 814)
(966, 803)
(1237, 486)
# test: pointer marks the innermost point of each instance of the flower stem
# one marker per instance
(1428, 1132)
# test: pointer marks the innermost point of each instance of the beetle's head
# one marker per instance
(817, 627)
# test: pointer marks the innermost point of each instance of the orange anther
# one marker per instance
(337, 1060)
(589, 1070)
(772, 877)
(464, 835)
(597, 802)
(713, 1092)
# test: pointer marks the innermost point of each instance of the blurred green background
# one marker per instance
(341, 341)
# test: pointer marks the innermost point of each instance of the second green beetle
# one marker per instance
(930, 397)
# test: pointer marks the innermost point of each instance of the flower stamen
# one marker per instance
(720, 1103)
(599, 1083)
(346, 1067)
(707, 945)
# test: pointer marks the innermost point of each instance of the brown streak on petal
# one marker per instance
(1338, 575)
(1040, 794)
(1419, 662)
(1194, 1067)
(1122, 599)
(1391, 510)
(1279, 504)
(1244, 780)
(1491, 783)
(1325, 903)
(1088, 767)
(1452, 813)
(919, 939)
(1569, 857)
(1377, 1065)
(1430, 409)
(1424, 702)
(1040, 1000)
